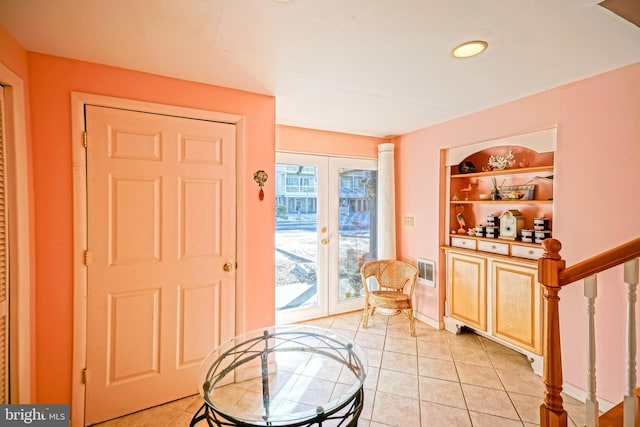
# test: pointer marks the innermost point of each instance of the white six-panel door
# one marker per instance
(161, 227)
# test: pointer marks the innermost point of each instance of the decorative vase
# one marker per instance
(495, 194)
(495, 191)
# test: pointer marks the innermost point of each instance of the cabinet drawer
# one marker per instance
(461, 242)
(526, 252)
(495, 247)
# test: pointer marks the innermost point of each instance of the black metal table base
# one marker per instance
(346, 415)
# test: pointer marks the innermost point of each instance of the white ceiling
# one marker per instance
(369, 67)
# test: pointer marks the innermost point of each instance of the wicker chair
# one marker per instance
(396, 280)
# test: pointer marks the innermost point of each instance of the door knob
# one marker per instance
(227, 267)
(324, 241)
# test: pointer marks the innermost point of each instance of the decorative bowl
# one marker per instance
(514, 195)
(466, 167)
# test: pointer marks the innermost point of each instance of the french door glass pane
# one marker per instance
(357, 228)
(296, 236)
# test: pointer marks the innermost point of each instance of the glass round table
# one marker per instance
(283, 376)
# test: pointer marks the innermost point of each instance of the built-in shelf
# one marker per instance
(518, 202)
(504, 172)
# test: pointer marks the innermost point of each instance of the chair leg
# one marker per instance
(412, 326)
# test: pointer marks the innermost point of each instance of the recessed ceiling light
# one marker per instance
(469, 49)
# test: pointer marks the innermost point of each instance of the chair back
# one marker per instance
(390, 274)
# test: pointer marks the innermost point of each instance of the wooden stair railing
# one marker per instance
(553, 275)
(613, 417)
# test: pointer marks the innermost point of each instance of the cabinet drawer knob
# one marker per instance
(531, 252)
(493, 246)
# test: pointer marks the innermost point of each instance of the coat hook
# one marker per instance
(260, 177)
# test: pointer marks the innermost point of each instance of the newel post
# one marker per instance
(552, 414)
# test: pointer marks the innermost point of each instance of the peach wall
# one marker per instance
(311, 141)
(52, 80)
(14, 57)
(597, 182)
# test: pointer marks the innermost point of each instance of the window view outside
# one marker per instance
(357, 243)
(297, 233)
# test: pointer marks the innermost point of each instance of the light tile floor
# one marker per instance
(434, 379)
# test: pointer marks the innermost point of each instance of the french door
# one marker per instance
(325, 230)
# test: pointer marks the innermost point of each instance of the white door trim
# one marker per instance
(19, 231)
(78, 101)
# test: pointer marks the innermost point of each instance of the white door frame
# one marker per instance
(19, 232)
(78, 101)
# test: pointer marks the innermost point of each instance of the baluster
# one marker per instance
(592, 406)
(630, 399)
(552, 414)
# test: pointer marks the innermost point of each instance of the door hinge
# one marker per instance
(87, 257)
(84, 376)
(85, 139)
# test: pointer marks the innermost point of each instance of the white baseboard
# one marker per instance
(581, 395)
(428, 320)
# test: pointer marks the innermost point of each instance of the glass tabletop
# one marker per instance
(282, 374)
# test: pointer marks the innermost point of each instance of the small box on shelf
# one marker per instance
(541, 235)
(492, 231)
(527, 235)
(541, 223)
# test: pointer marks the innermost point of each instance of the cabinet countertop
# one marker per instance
(498, 240)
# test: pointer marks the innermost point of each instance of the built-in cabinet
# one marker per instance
(482, 287)
(467, 279)
(516, 302)
(491, 271)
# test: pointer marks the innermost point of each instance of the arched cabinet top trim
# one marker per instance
(543, 141)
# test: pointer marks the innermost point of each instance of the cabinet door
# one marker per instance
(516, 305)
(467, 298)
